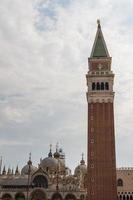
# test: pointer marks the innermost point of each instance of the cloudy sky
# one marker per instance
(44, 46)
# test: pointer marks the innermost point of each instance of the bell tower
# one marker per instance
(101, 138)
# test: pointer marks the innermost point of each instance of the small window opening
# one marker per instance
(102, 86)
(93, 86)
(107, 86)
(98, 86)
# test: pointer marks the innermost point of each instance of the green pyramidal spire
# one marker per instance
(99, 48)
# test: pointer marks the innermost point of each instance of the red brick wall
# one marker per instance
(101, 152)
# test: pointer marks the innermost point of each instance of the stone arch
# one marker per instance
(98, 86)
(120, 182)
(38, 194)
(127, 197)
(124, 197)
(102, 86)
(131, 198)
(56, 196)
(7, 196)
(107, 86)
(40, 181)
(93, 86)
(19, 196)
(82, 197)
(70, 197)
(120, 197)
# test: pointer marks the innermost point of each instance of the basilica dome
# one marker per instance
(54, 161)
(49, 163)
(81, 168)
(25, 169)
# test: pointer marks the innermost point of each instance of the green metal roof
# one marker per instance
(99, 50)
(99, 47)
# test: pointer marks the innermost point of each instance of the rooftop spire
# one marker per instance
(17, 171)
(57, 154)
(98, 23)
(9, 172)
(30, 156)
(29, 161)
(82, 162)
(4, 170)
(99, 49)
(50, 151)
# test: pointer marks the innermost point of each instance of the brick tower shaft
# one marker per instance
(101, 138)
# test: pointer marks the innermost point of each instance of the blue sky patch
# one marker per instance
(48, 10)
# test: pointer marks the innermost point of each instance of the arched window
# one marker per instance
(124, 198)
(56, 196)
(120, 182)
(131, 198)
(98, 86)
(82, 197)
(38, 195)
(102, 86)
(120, 197)
(127, 197)
(6, 197)
(19, 196)
(107, 86)
(70, 197)
(40, 181)
(93, 86)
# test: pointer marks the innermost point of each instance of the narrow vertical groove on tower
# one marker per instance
(101, 138)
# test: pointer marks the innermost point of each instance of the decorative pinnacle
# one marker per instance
(98, 23)
(82, 156)
(82, 161)
(30, 156)
(4, 169)
(50, 151)
(17, 170)
(29, 161)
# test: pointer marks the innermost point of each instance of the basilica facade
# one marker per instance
(51, 179)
